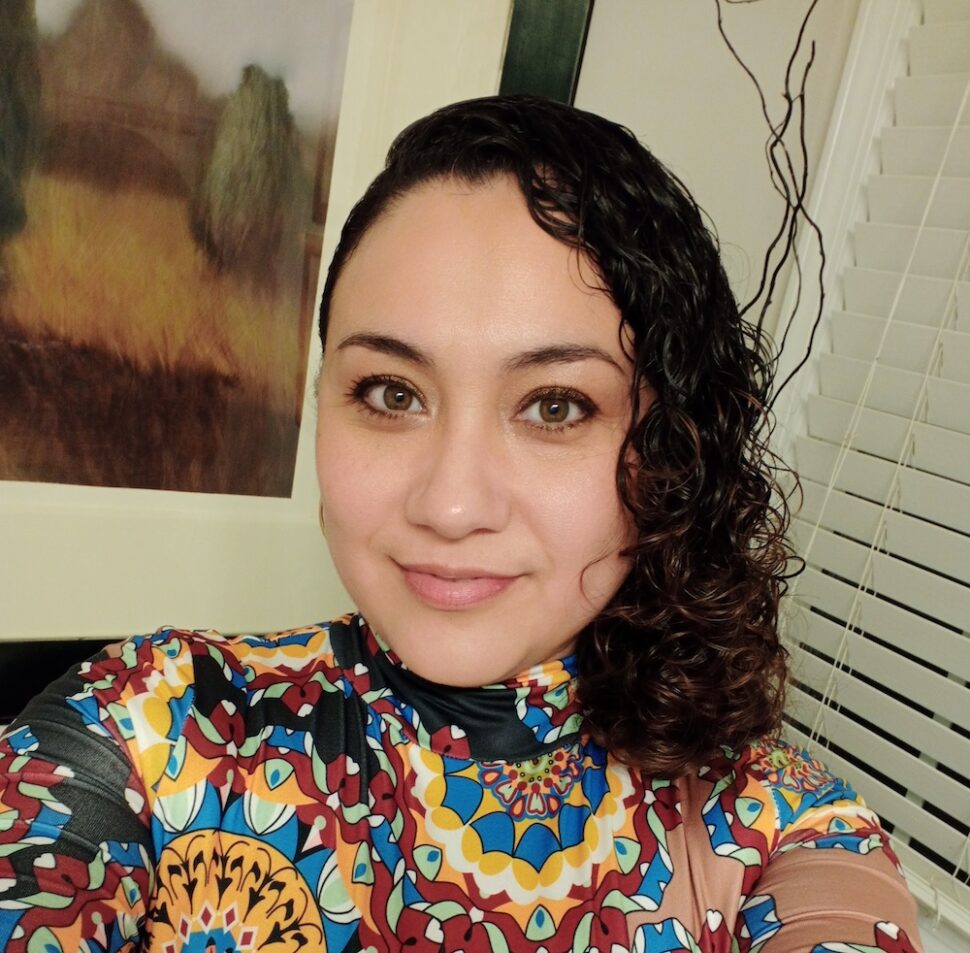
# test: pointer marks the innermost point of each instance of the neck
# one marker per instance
(520, 718)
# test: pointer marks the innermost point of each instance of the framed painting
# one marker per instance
(163, 193)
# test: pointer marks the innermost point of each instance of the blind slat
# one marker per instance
(940, 48)
(901, 199)
(939, 789)
(888, 248)
(939, 11)
(918, 150)
(918, 731)
(936, 644)
(915, 540)
(907, 346)
(949, 698)
(923, 300)
(956, 356)
(934, 450)
(930, 100)
(926, 592)
(897, 392)
(920, 494)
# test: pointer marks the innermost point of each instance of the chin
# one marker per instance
(447, 661)
(458, 650)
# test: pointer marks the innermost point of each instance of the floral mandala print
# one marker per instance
(530, 858)
(794, 770)
(220, 891)
(534, 787)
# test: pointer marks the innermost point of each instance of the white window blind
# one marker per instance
(879, 622)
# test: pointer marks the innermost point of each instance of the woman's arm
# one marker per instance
(837, 900)
(76, 853)
(831, 881)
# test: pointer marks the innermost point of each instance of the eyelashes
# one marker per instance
(387, 396)
(551, 409)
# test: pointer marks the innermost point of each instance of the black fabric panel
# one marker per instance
(27, 668)
(94, 792)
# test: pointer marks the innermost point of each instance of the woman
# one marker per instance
(542, 471)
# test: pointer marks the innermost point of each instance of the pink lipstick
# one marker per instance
(447, 588)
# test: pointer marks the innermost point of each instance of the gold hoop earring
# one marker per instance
(323, 522)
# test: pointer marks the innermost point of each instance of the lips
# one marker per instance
(453, 588)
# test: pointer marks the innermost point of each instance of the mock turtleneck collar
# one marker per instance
(514, 720)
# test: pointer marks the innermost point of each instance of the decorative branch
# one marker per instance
(788, 170)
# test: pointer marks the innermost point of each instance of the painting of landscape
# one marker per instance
(163, 178)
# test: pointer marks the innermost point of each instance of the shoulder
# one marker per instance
(174, 656)
(814, 862)
(149, 690)
(805, 803)
(155, 679)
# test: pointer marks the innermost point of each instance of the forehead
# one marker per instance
(454, 263)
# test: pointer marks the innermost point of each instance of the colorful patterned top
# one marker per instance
(305, 791)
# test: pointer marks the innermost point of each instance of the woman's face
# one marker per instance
(473, 401)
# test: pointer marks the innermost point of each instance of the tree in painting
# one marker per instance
(244, 207)
(19, 103)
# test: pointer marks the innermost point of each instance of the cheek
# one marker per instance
(353, 509)
(344, 473)
(355, 488)
(580, 512)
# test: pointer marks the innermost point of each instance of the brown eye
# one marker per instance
(396, 398)
(553, 410)
(558, 410)
(391, 397)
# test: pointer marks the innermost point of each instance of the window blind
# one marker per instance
(879, 622)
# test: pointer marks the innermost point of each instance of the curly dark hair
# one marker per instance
(686, 657)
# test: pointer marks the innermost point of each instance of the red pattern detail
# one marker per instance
(667, 806)
(726, 766)
(893, 944)
(69, 877)
(444, 742)
(716, 940)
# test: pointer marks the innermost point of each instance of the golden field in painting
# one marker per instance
(131, 360)
(120, 271)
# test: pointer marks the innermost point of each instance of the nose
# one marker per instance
(462, 484)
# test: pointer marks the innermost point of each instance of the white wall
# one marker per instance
(661, 68)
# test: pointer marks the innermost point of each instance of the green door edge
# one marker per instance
(545, 47)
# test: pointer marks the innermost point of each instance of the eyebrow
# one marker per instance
(537, 357)
(385, 344)
(559, 354)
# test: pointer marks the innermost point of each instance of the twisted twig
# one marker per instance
(788, 170)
